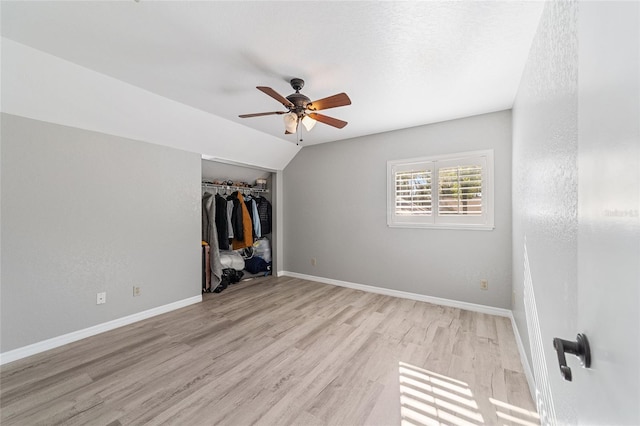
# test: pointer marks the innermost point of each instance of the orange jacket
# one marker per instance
(247, 227)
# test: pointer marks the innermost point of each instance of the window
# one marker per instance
(452, 191)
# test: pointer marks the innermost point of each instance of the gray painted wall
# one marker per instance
(335, 211)
(216, 170)
(84, 212)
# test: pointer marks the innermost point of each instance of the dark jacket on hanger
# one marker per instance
(221, 222)
(264, 211)
(236, 216)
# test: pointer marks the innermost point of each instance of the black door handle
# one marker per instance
(579, 348)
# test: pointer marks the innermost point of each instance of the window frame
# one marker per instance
(484, 221)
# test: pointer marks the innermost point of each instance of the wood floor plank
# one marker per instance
(280, 351)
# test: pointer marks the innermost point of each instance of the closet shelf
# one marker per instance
(231, 188)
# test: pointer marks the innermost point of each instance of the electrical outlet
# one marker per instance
(313, 261)
(137, 291)
(484, 285)
(101, 298)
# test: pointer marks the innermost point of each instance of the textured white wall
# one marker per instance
(85, 212)
(335, 211)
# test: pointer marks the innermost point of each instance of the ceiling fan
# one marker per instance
(301, 109)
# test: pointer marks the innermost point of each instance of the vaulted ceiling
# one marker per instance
(403, 64)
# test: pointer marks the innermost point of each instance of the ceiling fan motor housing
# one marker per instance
(299, 100)
(300, 103)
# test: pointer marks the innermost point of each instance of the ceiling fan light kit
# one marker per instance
(308, 122)
(290, 122)
(302, 110)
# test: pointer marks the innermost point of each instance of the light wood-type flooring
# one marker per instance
(281, 351)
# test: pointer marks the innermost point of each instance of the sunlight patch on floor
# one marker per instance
(517, 415)
(428, 398)
(432, 399)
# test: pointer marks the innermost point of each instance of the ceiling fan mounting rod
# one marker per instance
(297, 84)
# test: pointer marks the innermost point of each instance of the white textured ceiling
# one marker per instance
(403, 64)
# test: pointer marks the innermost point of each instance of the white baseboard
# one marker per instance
(523, 358)
(403, 294)
(55, 342)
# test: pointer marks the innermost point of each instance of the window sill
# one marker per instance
(450, 226)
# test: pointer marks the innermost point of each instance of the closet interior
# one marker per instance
(237, 224)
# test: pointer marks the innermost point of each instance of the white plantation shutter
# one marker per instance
(413, 193)
(410, 193)
(453, 191)
(460, 191)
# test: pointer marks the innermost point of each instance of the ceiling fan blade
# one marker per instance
(341, 99)
(258, 114)
(328, 120)
(275, 95)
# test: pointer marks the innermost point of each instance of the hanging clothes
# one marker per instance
(250, 202)
(206, 253)
(230, 218)
(210, 235)
(244, 235)
(236, 216)
(222, 224)
(264, 212)
(255, 216)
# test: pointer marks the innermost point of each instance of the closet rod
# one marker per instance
(232, 188)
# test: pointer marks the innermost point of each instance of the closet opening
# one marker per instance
(238, 224)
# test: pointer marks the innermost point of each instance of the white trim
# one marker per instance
(483, 222)
(74, 336)
(403, 294)
(472, 226)
(523, 358)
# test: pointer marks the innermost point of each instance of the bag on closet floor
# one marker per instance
(231, 276)
(256, 265)
(231, 260)
(262, 248)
